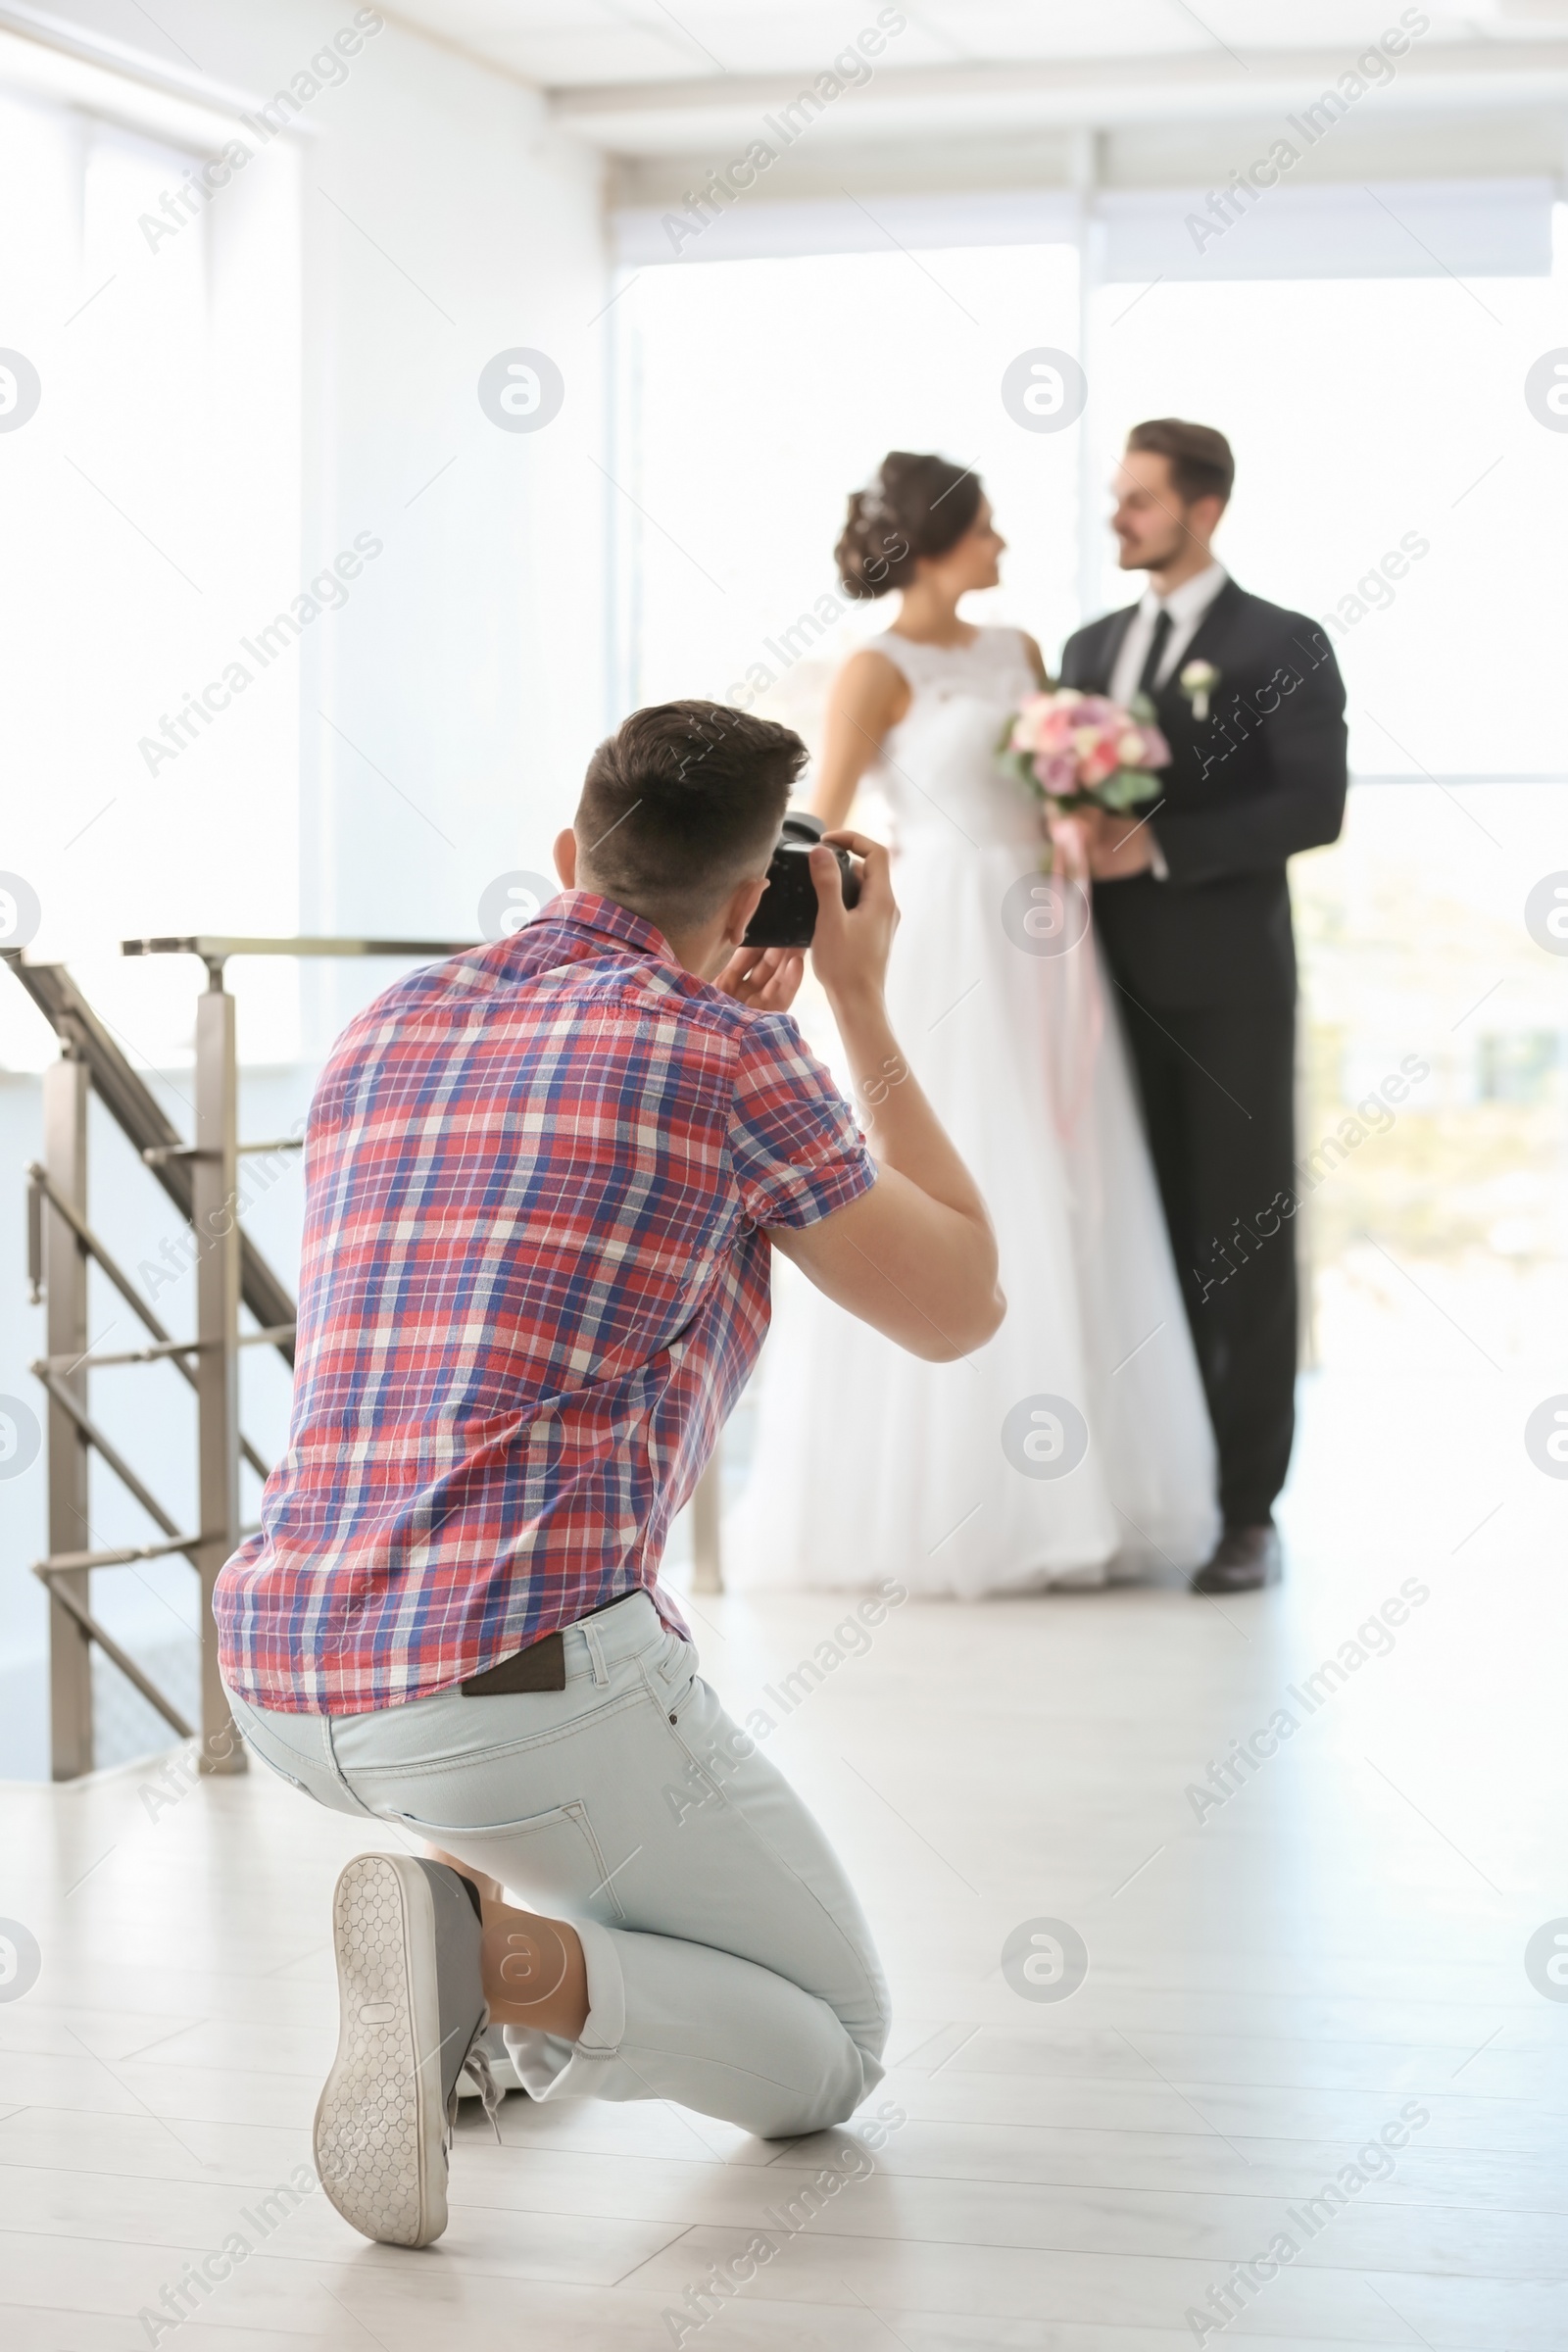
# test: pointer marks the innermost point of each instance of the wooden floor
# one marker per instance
(1339, 1943)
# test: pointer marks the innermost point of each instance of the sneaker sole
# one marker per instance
(379, 2133)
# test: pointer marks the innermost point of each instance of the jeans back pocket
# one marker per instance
(550, 1860)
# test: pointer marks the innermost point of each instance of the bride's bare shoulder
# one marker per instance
(870, 684)
(870, 662)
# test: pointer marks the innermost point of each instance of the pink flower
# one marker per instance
(1073, 742)
(1057, 772)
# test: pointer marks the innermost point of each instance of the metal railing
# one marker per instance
(201, 1177)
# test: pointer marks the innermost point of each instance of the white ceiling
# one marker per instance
(645, 81)
(565, 44)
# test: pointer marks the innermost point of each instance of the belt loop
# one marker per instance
(596, 1651)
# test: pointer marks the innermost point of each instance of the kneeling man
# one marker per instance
(544, 1182)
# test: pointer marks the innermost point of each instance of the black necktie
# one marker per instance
(1163, 626)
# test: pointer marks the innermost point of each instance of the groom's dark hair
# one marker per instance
(681, 803)
(1200, 458)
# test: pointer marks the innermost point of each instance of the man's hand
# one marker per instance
(851, 946)
(1118, 845)
(765, 979)
(916, 1256)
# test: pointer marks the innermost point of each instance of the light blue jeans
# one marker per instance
(730, 1965)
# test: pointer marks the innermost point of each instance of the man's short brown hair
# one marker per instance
(1201, 461)
(683, 802)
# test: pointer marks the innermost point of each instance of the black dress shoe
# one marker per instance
(1243, 1558)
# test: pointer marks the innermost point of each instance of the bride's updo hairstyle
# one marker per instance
(918, 505)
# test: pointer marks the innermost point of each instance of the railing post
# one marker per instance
(214, 1215)
(64, 1273)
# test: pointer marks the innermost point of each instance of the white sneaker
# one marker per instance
(411, 2013)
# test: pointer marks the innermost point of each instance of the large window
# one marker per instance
(1372, 417)
(761, 393)
(1392, 481)
(150, 511)
(150, 514)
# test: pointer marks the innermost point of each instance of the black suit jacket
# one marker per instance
(1261, 777)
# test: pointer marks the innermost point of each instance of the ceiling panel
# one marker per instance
(699, 80)
(573, 43)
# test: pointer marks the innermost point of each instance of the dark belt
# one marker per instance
(542, 1666)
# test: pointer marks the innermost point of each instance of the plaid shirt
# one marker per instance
(535, 1280)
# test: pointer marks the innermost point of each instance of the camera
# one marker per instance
(786, 915)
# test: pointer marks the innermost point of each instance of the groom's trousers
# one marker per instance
(1217, 1082)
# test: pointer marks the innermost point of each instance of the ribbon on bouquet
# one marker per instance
(1075, 1022)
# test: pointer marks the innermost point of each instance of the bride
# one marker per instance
(1075, 1444)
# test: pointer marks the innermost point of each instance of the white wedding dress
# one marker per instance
(868, 1464)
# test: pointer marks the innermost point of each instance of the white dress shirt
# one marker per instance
(1185, 606)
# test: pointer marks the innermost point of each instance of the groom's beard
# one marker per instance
(1151, 559)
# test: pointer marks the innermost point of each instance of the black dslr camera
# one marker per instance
(785, 916)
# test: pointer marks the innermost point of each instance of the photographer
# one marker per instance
(543, 1184)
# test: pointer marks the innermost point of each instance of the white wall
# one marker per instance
(429, 217)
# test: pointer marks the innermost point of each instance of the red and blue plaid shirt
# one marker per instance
(535, 1279)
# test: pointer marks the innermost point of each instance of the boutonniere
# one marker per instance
(1197, 682)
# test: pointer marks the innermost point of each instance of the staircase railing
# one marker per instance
(201, 1178)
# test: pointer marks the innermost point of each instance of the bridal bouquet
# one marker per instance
(1081, 751)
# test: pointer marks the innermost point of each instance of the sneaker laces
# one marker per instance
(477, 2064)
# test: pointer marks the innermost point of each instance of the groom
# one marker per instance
(1194, 916)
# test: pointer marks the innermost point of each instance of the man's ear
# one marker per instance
(1208, 514)
(744, 902)
(565, 855)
